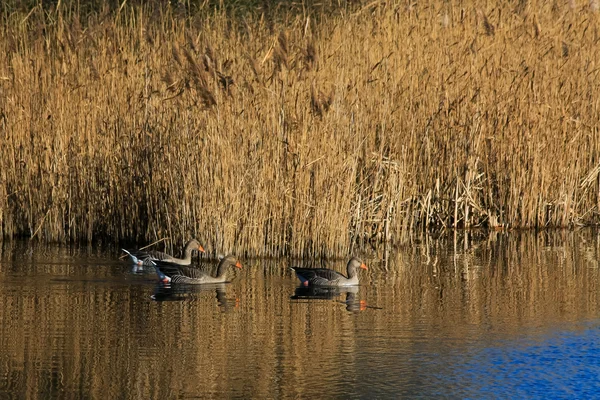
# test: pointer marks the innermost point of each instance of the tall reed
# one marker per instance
(309, 133)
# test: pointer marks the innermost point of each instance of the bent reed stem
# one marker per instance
(297, 134)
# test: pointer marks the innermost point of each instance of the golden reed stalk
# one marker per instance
(301, 134)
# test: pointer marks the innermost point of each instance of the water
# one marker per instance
(501, 316)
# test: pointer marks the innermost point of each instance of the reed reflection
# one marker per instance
(75, 315)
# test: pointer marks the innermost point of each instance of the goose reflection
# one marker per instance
(165, 292)
(331, 293)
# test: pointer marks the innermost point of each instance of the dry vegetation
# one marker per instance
(302, 134)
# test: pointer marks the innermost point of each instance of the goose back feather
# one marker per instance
(193, 276)
(138, 256)
(329, 277)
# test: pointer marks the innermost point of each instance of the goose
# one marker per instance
(329, 277)
(138, 264)
(138, 256)
(169, 273)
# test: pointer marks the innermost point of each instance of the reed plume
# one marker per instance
(262, 136)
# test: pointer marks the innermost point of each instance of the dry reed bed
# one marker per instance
(293, 136)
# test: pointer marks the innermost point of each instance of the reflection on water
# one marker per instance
(506, 315)
(310, 293)
(168, 292)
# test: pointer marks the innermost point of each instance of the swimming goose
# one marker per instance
(193, 276)
(329, 277)
(138, 265)
(138, 256)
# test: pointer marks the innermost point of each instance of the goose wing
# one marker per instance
(155, 255)
(145, 255)
(158, 255)
(172, 270)
(318, 276)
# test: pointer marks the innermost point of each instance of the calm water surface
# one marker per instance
(502, 316)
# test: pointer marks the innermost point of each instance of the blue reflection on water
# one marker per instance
(563, 364)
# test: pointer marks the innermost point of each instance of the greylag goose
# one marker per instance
(138, 256)
(328, 277)
(193, 276)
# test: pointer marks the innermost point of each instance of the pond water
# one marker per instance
(503, 315)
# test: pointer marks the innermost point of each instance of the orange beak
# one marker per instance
(238, 264)
(363, 266)
(200, 248)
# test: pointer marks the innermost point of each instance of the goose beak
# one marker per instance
(238, 264)
(200, 248)
(363, 266)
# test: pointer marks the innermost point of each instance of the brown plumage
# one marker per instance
(194, 276)
(138, 256)
(329, 277)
